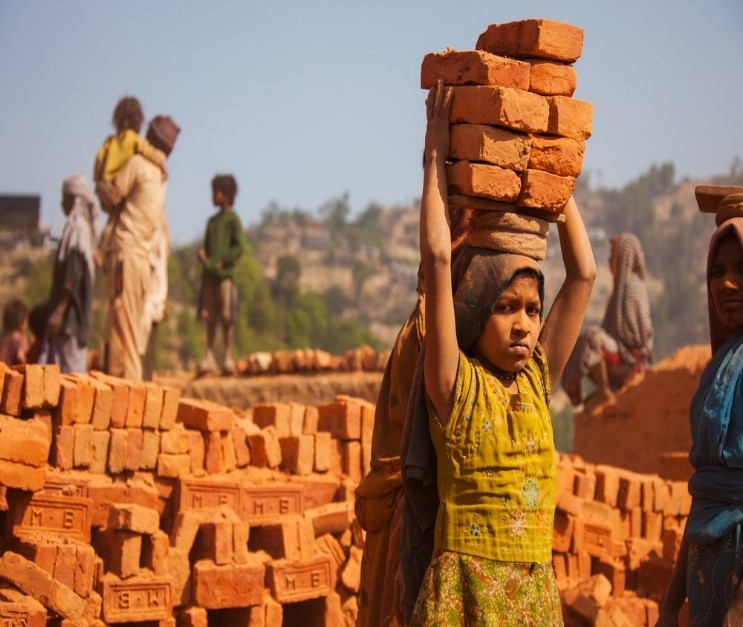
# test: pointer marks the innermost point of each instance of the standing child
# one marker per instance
(487, 362)
(223, 246)
(116, 150)
(13, 341)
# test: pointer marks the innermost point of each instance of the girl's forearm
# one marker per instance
(434, 224)
(577, 254)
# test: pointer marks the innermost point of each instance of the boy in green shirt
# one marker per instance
(223, 245)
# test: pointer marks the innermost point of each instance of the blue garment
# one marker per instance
(716, 487)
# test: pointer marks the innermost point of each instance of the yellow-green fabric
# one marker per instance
(496, 465)
(117, 149)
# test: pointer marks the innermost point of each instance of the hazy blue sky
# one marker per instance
(305, 100)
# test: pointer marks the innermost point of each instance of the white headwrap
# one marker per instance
(80, 231)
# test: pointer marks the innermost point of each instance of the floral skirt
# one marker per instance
(462, 589)
(711, 580)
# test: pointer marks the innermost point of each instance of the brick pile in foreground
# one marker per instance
(126, 504)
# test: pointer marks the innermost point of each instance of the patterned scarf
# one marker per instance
(80, 228)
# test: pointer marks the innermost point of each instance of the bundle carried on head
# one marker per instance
(517, 136)
(725, 201)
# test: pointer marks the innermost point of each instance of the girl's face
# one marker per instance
(726, 283)
(511, 332)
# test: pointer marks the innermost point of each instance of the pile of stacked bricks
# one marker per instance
(124, 503)
(310, 360)
(616, 538)
(517, 137)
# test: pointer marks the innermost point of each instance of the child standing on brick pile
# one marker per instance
(478, 439)
(709, 567)
(223, 246)
(116, 150)
(13, 341)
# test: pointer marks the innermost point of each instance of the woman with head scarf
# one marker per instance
(68, 324)
(708, 568)
(623, 344)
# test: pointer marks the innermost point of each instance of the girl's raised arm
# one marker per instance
(442, 351)
(565, 317)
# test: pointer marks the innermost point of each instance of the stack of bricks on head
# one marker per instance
(124, 503)
(517, 136)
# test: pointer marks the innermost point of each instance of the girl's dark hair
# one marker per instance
(14, 314)
(128, 115)
(227, 184)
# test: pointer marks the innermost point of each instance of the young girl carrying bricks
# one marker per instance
(487, 363)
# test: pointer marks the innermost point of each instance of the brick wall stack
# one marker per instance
(306, 360)
(124, 503)
(517, 135)
(615, 541)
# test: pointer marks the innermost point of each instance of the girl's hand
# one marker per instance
(438, 103)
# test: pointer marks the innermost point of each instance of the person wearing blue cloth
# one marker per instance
(710, 560)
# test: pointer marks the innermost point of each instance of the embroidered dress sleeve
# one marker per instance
(540, 361)
(461, 397)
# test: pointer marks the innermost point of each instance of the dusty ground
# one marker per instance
(244, 392)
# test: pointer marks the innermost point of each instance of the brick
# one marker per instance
(473, 67)
(654, 576)
(352, 460)
(607, 484)
(32, 395)
(176, 441)
(483, 180)
(311, 419)
(84, 570)
(291, 582)
(192, 617)
(37, 583)
(63, 447)
(22, 443)
(229, 456)
(323, 443)
(119, 400)
(196, 450)
(155, 549)
(206, 494)
(297, 454)
(291, 537)
(342, 418)
(544, 191)
(135, 518)
(150, 450)
(614, 572)
(548, 78)
(117, 453)
(153, 406)
(562, 156)
(277, 415)
(136, 599)
(597, 537)
(174, 466)
(533, 38)
(83, 445)
(39, 549)
(367, 422)
(64, 565)
(488, 144)
(122, 551)
(265, 450)
(103, 400)
(205, 415)
(671, 539)
(351, 573)
(169, 413)
(569, 117)
(135, 406)
(331, 518)
(65, 516)
(25, 613)
(500, 106)
(585, 485)
(639, 550)
(10, 403)
(214, 541)
(628, 496)
(261, 504)
(240, 444)
(213, 456)
(328, 545)
(240, 539)
(216, 587)
(99, 455)
(21, 476)
(562, 531)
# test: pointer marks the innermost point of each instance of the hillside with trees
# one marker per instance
(330, 280)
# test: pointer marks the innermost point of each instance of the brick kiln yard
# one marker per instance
(134, 504)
